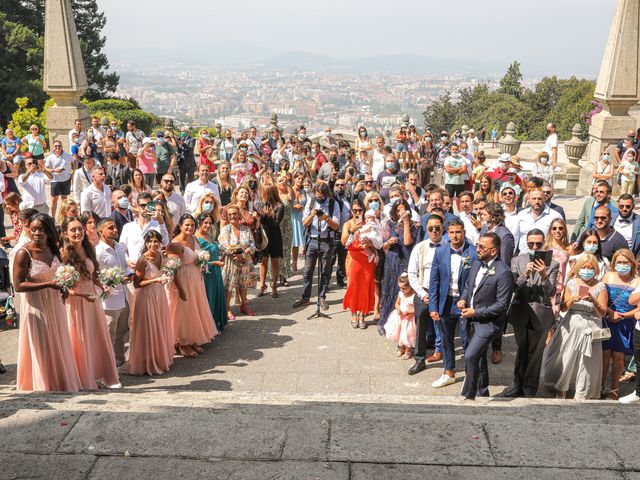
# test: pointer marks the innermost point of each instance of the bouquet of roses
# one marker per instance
(171, 266)
(202, 260)
(111, 277)
(66, 277)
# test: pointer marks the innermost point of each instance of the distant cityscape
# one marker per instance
(239, 98)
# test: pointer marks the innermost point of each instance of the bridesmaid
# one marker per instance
(213, 276)
(45, 358)
(151, 346)
(90, 340)
(191, 317)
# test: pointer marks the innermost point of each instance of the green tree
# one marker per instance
(26, 115)
(511, 82)
(441, 113)
(21, 57)
(123, 111)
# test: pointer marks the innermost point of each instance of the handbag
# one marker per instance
(600, 334)
(260, 238)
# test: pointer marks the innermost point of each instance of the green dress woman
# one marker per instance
(213, 275)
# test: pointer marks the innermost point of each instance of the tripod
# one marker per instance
(318, 313)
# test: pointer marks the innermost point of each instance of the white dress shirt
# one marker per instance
(526, 222)
(470, 232)
(132, 237)
(176, 205)
(109, 257)
(624, 226)
(195, 190)
(511, 222)
(482, 271)
(419, 268)
(33, 191)
(454, 277)
(95, 200)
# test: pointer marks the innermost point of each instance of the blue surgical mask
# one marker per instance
(587, 273)
(207, 206)
(623, 268)
(463, 151)
(374, 205)
(590, 248)
(123, 202)
(394, 200)
(606, 156)
(390, 165)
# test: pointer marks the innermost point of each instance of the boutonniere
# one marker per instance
(466, 263)
(491, 271)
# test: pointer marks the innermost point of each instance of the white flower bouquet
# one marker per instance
(66, 277)
(202, 260)
(171, 266)
(111, 277)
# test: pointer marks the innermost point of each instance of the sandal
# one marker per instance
(400, 351)
(246, 310)
(627, 377)
(230, 316)
(283, 281)
(408, 354)
(187, 351)
(274, 292)
(261, 293)
(354, 321)
(361, 323)
(197, 348)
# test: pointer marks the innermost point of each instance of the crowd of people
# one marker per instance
(194, 224)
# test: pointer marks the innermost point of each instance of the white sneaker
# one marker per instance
(443, 381)
(631, 398)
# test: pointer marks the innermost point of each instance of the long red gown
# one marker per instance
(360, 295)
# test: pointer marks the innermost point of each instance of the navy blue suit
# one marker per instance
(490, 302)
(440, 301)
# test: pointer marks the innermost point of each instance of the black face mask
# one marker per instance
(252, 185)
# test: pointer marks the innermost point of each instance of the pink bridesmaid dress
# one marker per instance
(151, 345)
(90, 338)
(45, 358)
(192, 320)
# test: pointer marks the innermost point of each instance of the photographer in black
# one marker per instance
(321, 220)
(185, 158)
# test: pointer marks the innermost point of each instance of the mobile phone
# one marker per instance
(545, 256)
(151, 206)
(360, 177)
(583, 291)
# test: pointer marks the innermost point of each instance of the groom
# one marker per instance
(484, 303)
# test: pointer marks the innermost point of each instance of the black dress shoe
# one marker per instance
(342, 284)
(417, 367)
(513, 392)
(2, 369)
(301, 303)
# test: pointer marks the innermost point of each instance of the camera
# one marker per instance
(238, 251)
(360, 177)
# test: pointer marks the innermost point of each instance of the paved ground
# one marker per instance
(281, 396)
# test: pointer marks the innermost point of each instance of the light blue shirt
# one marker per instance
(321, 225)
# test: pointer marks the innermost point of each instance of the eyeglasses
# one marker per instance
(507, 194)
(356, 210)
(625, 207)
(601, 218)
(434, 229)
(546, 192)
(534, 244)
(143, 205)
(165, 180)
(57, 145)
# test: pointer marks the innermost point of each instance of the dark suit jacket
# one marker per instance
(559, 209)
(507, 242)
(123, 176)
(635, 232)
(531, 306)
(492, 297)
(441, 275)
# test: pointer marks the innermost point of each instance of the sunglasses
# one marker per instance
(625, 207)
(434, 229)
(507, 194)
(601, 218)
(168, 181)
(534, 244)
(557, 229)
(357, 210)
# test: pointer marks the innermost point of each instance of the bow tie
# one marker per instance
(484, 265)
(433, 245)
(621, 220)
(456, 252)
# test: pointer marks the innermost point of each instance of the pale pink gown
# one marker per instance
(192, 320)
(45, 358)
(151, 345)
(90, 340)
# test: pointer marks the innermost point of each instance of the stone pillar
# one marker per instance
(64, 76)
(575, 149)
(617, 88)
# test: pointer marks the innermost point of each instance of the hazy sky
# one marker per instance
(558, 36)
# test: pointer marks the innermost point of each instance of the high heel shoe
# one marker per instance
(274, 292)
(263, 290)
(283, 281)
(246, 310)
